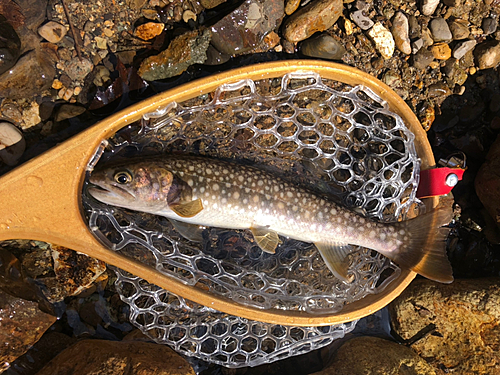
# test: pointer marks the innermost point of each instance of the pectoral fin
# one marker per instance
(192, 232)
(188, 209)
(266, 238)
(335, 256)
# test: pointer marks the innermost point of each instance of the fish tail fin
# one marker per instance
(423, 248)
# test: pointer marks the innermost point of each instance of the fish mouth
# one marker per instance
(109, 193)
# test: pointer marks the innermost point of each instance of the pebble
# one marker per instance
(459, 29)
(101, 43)
(417, 45)
(427, 37)
(12, 143)
(384, 42)
(463, 47)
(244, 29)
(291, 6)
(10, 45)
(185, 50)
(489, 25)
(52, 31)
(414, 27)
(323, 46)
(11, 112)
(362, 5)
(57, 85)
(422, 59)
(441, 51)
(188, 15)
(316, 16)
(400, 32)
(209, 4)
(429, 7)
(488, 54)
(149, 30)
(362, 20)
(67, 111)
(31, 116)
(440, 30)
(348, 27)
(439, 89)
(77, 70)
(215, 57)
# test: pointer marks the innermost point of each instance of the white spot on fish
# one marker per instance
(190, 182)
(281, 205)
(382, 236)
(240, 178)
(373, 234)
(295, 208)
(255, 198)
(402, 232)
(289, 194)
(333, 211)
(260, 183)
(236, 195)
(215, 187)
(208, 171)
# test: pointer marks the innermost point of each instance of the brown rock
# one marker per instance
(371, 355)
(149, 30)
(441, 51)
(22, 325)
(291, 6)
(459, 29)
(466, 315)
(488, 182)
(52, 31)
(487, 54)
(319, 15)
(99, 357)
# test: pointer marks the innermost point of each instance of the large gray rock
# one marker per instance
(466, 316)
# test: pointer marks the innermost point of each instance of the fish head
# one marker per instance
(146, 186)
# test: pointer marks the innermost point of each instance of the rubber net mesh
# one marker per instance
(332, 137)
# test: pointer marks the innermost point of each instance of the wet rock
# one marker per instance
(31, 116)
(422, 59)
(400, 32)
(459, 29)
(488, 182)
(323, 46)
(384, 42)
(441, 51)
(244, 29)
(465, 314)
(215, 57)
(12, 143)
(440, 30)
(118, 358)
(316, 16)
(67, 111)
(209, 4)
(439, 89)
(429, 7)
(427, 115)
(10, 45)
(188, 15)
(77, 70)
(291, 6)
(362, 355)
(487, 54)
(452, 3)
(10, 111)
(184, 51)
(52, 31)
(149, 30)
(463, 47)
(22, 325)
(360, 19)
(489, 25)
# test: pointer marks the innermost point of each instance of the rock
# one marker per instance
(463, 47)
(466, 317)
(12, 143)
(10, 111)
(440, 30)
(316, 16)
(188, 15)
(67, 111)
(489, 25)
(52, 31)
(429, 7)
(77, 70)
(209, 4)
(487, 54)
(372, 355)
(149, 30)
(414, 27)
(291, 6)
(215, 57)
(118, 358)
(422, 59)
(244, 29)
(101, 43)
(184, 51)
(362, 20)
(452, 3)
(323, 46)
(441, 51)
(384, 42)
(10, 45)
(427, 37)
(439, 89)
(459, 29)
(31, 116)
(400, 32)
(22, 325)
(488, 182)
(417, 45)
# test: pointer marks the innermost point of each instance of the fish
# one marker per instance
(195, 192)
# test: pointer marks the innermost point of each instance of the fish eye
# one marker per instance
(123, 177)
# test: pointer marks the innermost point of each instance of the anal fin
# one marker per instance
(192, 232)
(267, 239)
(335, 256)
(188, 209)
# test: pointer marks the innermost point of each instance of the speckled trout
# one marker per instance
(196, 191)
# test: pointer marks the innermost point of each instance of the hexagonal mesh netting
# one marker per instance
(333, 138)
